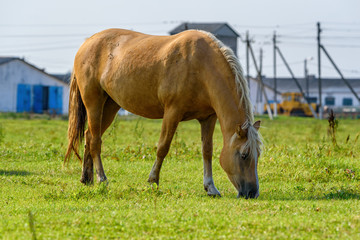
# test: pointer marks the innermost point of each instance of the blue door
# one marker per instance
(55, 100)
(23, 100)
(38, 99)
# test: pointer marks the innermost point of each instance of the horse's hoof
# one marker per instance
(214, 195)
(87, 181)
(153, 180)
(212, 191)
(105, 182)
(102, 179)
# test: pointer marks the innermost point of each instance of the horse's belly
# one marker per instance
(144, 110)
(140, 103)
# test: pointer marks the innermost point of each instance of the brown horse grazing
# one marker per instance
(191, 75)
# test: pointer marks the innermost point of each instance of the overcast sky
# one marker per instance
(48, 33)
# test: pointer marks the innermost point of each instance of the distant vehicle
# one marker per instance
(293, 104)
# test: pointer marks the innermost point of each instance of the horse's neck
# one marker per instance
(230, 118)
(228, 110)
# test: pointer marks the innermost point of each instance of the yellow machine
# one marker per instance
(293, 104)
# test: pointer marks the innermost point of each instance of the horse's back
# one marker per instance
(145, 74)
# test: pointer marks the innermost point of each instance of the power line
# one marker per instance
(313, 44)
(39, 49)
(252, 26)
(87, 24)
(331, 67)
(342, 45)
(297, 43)
(314, 37)
(45, 35)
(66, 35)
(271, 26)
(342, 23)
(297, 37)
(341, 37)
(283, 65)
(342, 29)
(39, 44)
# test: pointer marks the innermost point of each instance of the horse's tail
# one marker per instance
(77, 119)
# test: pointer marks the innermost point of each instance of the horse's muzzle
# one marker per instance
(249, 193)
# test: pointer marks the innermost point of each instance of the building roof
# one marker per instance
(5, 60)
(289, 85)
(63, 77)
(214, 28)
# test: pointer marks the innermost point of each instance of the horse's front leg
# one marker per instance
(171, 120)
(207, 130)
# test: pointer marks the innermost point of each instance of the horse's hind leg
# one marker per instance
(171, 120)
(87, 176)
(109, 112)
(207, 130)
(94, 99)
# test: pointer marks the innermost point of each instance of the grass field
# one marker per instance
(309, 187)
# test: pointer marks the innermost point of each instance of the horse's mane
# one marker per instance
(254, 141)
(241, 83)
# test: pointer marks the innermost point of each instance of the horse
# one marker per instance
(190, 75)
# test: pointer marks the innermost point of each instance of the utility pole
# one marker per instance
(249, 51)
(339, 72)
(247, 58)
(259, 89)
(296, 81)
(260, 73)
(261, 60)
(306, 77)
(321, 47)
(275, 80)
(261, 82)
(319, 70)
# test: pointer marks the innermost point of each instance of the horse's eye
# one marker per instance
(244, 156)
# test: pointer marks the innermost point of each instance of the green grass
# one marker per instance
(309, 188)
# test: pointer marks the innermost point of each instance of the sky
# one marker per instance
(48, 33)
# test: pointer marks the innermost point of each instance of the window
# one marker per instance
(297, 98)
(347, 101)
(330, 101)
(312, 99)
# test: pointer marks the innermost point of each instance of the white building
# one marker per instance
(334, 92)
(26, 88)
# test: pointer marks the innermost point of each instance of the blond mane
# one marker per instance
(254, 142)
(241, 83)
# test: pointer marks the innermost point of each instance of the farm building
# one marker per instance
(335, 93)
(220, 30)
(26, 88)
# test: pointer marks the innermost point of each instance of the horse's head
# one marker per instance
(239, 159)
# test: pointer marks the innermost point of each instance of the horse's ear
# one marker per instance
(256, 125)
(241, 132)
